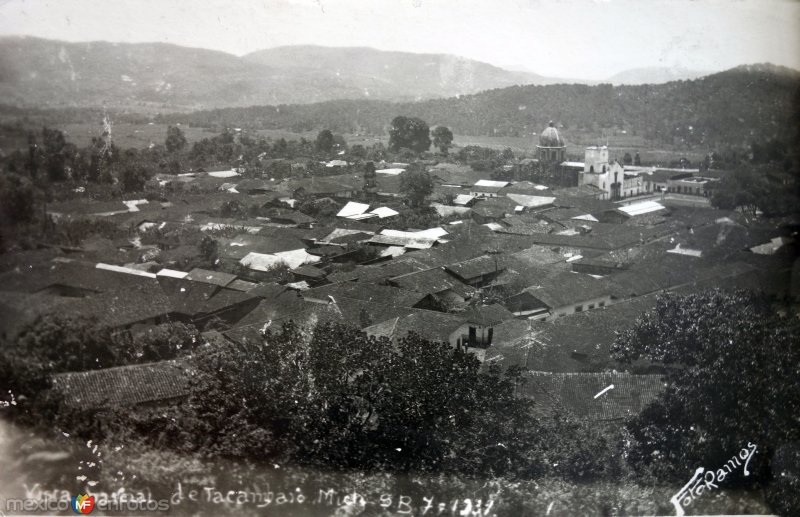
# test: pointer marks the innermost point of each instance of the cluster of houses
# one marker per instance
(519, 274)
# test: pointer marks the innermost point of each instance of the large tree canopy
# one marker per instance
(175, 140)
(337, 398)
(442, 138)
(416, 184)
(733, 378)
(324, 141)
(409, 132)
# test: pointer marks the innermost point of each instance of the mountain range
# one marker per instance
(153, 77)
(735, 107)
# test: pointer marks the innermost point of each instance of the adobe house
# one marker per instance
(464, 332)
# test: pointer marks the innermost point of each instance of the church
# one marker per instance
(610, 178)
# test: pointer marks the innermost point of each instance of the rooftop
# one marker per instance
(583, 395)
(124, 386)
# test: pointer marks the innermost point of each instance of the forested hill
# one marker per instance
(148, 77)
(753, 102)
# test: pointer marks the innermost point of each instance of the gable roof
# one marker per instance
(432, 281)
(431, 325)
(483, 265)
(367, 292)
(352, 209)
(123, 307)
(124, 385)
(531, 201)
(568, 288)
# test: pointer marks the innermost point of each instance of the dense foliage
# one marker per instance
(56, 344)
(416, 185)
(336, 398)
(725, 108)
(409, 133)
(732, 380)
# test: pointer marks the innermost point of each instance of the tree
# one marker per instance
(416, 184)
(209, 248)
(175, 140)
(732, 379)
(751, 189)
(626, 159)
(16, 197)
(637, 160)
(408, 406)
(442, 138)
(412, 133)
(132, 177)
(324, 142)
(53, 143)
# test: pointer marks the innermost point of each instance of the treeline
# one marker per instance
(417, 407)
(732, 108)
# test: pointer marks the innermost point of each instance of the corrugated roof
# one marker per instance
(414, 242)
(531, 201)
(491, 183)
(644, 207)
(265, 262)
(384, 212)
(352, 209)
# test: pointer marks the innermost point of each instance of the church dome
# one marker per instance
(550, 137)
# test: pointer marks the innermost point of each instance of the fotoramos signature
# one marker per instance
(693, 489)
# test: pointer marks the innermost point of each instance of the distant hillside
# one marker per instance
(732, 107)
(385, 74)
(162, 77)
(654, 75)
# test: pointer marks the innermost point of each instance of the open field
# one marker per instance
(142, 135)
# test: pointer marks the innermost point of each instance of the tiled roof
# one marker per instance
(431, 325)
(189, 298)
(431, 281)
(576, 393)
(477, 266)
(309, 271)
(124, 386)
(242, 285)
(71, 274)
(18, 310)
(567, 289)
(125, 306)
(287, 303)
(368, 292)
(210, 277)
(488, 315)
(579, 342)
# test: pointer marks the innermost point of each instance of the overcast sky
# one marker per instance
(587, 39)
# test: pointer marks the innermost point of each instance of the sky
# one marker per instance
(581, 39)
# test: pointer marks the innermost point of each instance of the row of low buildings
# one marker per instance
(524, 275)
